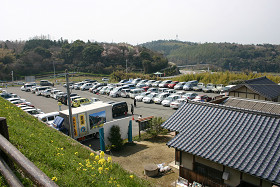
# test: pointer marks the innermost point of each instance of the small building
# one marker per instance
(217, 145)
(260, 88)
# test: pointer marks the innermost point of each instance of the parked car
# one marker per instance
(156, 84)
(199, 87)
(46, 83)
(169, 99)
(149, 98)
(103, 90)
(73, 98)
(179, 86)
(141, 96)
(78, 85)
(125, 93)
(190, 84)
(224, 90)
(97, 90)
(48, 117)
(86, 86)
(158, 99)
(202, 98)
(116, 92)
(161, 90)
(170, 91)
(46, 93)
(135, 81)
(63, 99)
(172, 84)
(208, 87)
(164, 84)
(105, 79)
(80, 101)
(218, 88)
(34, 112)
(149, 83)
(177, 103)
(153, 90)
(134, 92)
(119, 108)
(39, 90)
(189, 95)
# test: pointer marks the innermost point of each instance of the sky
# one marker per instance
(139, 21)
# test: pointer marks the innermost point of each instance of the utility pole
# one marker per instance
(69, 105)
(12, 76)
(54, 72)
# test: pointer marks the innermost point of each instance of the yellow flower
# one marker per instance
(96, 157)
(100, 169)
(58, 154)
(54, 179)
(101, 154)
(101, 161)
(131, 176)
(109, 182)
(84, 169)
(76, 153)
(91, 154)
(61, 148)
(109, 159)
(89, 145)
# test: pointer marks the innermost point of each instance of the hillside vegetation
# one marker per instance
(61, 158)
(222, 56)
(42, 55)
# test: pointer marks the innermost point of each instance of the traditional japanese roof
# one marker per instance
(246, 140)
(254, 104)
(262, 86)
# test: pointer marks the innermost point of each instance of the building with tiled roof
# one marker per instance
(260, 88)
(217, 145)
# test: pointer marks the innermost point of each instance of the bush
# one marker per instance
(155, 127)
(115, 138)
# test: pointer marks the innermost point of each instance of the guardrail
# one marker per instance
(9, 154)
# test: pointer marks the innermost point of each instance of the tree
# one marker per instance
(92, 53)
(155, 127)
(115, 137)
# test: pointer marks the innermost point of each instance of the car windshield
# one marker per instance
(169, 98)
(143, 94)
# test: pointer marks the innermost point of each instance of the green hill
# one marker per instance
(221, 56)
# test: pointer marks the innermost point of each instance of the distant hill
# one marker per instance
(37, 56)
(222, 56)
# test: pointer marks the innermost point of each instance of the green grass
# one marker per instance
(61, 158)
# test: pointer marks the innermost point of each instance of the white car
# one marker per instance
(149, 98)
(48, 117)
(189, 95)
(78, 85)
(160, 98)
(116, 92)
(125, 93)
(169, 99)
(141, 96)
(178, 103)
(86, 86)
(34, 112)
(105, 79)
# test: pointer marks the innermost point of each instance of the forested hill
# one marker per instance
(41, 55)
(224, 56)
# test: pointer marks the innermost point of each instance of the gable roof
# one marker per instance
(248, 141)
(262, 86)
(253, 104)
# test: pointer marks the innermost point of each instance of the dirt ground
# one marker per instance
(133, 158)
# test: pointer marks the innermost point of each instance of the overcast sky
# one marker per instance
(139, 21)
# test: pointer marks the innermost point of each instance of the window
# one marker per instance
(209, 172)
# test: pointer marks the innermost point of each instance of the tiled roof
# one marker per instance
(262, 86)
(253, 104)
(248, 141)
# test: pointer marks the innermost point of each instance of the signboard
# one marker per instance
(97, 120)
(82, 124)
(75, 127)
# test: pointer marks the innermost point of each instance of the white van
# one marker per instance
(133, 93)
(48, 117)
(39, 90)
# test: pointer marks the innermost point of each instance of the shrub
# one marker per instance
(155, 127)
(115, 138)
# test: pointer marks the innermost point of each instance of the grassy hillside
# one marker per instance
(64, 160)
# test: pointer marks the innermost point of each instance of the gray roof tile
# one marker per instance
(246, 140)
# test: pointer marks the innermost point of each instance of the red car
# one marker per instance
(172, 84)
(202, 98)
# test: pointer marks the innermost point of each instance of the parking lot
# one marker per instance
(50, 105)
